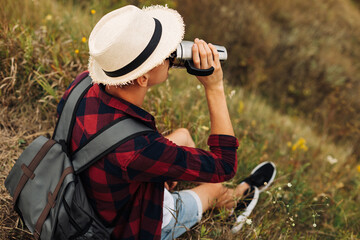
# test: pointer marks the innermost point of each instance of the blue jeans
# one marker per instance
(187, 212)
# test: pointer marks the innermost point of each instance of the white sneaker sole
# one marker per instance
(241, 219)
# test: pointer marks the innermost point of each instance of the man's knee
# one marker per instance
(186, 134)
(184, 131)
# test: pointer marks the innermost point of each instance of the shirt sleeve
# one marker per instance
(162, 160)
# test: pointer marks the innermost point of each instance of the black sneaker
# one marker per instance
(260, 179)
(262, 176)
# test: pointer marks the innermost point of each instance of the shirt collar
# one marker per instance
(124, 106)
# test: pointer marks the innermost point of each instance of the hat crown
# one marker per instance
(120, 36)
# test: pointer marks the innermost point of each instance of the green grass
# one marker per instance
(41, 51)
(319, 192)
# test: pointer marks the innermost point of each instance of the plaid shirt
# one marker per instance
(126, 187)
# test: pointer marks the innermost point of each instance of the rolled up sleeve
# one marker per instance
(162, 160)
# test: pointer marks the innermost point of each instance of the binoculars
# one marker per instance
(182, 58)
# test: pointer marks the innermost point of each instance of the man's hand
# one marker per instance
(170, 185)
(206, 56)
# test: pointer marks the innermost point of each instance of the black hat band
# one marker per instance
(145, 54)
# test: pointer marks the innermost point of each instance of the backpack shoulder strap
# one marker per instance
(106, 141)
(67, 116)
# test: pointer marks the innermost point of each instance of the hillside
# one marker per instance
(302, 56)
(43, 46)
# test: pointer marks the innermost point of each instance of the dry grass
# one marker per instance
(38, 59)
(35, 69)
(14, 135)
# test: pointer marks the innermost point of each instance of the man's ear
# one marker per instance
(143, 80)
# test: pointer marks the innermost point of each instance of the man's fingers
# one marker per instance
(195, 53)
(209, 54)
(214, 53)
(203, 55)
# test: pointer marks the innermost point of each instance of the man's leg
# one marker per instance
(181, 137)
(216, 195)
(210, 194)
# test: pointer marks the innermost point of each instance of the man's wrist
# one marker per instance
(214, 90)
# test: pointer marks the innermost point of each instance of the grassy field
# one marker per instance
(302, 55)
(43, 46)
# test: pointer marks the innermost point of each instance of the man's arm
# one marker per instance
(206, 56)
(162, 160)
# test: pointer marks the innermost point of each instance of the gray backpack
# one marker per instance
(45, 184)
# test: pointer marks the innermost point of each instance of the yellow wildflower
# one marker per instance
(301, 141)
(307, 92)
(291, 88)
(48, 17)
(358, 168)
(83, 39)
(241, 107)
(265, 146)
(304, 148)
(93, 11)
(253, 123)
(300, 144)
(76, 51)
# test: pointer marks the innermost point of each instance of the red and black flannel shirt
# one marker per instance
(126, 187)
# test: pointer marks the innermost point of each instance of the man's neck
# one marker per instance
(132, 93)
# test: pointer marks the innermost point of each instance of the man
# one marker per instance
(129, 187)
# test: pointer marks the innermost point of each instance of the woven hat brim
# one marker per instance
(173, 30)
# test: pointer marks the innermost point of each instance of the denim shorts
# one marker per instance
(187, 212)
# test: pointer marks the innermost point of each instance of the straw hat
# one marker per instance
(128, 42)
